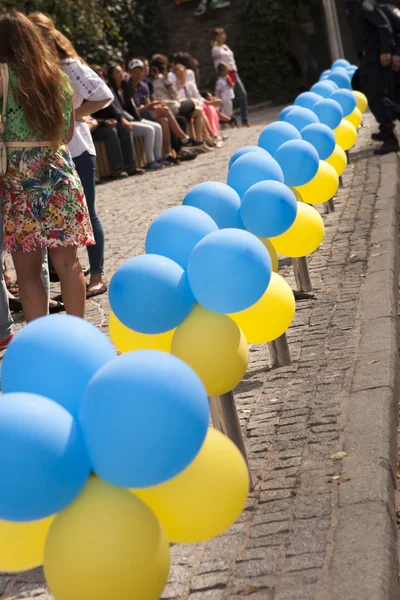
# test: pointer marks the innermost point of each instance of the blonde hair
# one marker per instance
(56, 40)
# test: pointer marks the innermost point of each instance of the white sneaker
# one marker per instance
(220, 3)
(201, 9)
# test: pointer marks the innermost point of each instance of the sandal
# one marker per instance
(54, 309)
(99, 292)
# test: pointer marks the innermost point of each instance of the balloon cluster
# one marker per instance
(105, 460)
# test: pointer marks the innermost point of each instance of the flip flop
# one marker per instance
(59, 307)
(99, 292)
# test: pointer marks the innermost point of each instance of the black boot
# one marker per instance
(390, 144)
(379, 136)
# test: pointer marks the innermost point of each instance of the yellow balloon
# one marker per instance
(207, 497)
(272, 253)
(22, 544)
(355, 118)
(270, 317)
(338, 160)
(304, 236)
(106, 544)
(361, 100)
(346, 135)
(323, 187)
(214, 346)
(297, 194)
(128, 340)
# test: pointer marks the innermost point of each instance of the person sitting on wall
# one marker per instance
(212, 4)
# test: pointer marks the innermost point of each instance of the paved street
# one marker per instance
(319, 525)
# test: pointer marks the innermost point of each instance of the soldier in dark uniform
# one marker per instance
(373, 40)
(393, 14)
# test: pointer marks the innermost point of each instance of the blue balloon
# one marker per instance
(276, 134)
(299, 161)
(219, 201)
(324, 77)
(346, 100)
(268, 208)
(144, 418)
(340, 70)
(244, 150)
(150, 294)
(300, 117)
(329, 112)
(176, 231)
(341, 79)
(321, 137)
(307, 99)
(44, 464)
(324, 88)
(56, 356)
(285, 112)
(229, 270)
(252, 168)
(341, 62)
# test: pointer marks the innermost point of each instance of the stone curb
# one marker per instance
(364, 557)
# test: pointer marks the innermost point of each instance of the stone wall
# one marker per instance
(193, 34)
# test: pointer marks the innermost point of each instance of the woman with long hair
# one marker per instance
(132, 122)
(221, 53)
(90, 95)
(42, 197)
(164, 92)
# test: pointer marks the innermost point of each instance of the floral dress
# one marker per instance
(42, 197)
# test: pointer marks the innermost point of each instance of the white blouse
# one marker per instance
(190, 76)
(223, 54)
(86, 85)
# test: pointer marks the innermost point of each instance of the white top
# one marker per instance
(223, 54)
(86, 85)
(224, 90)
(190, 91)
(191, 77)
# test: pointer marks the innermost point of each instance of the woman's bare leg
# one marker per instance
(166, 135)
(199, 124)
(73, 282)
(31, 289)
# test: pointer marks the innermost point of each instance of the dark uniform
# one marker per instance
(393, 14)
(372, 36)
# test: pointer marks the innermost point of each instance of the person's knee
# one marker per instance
(65, 260)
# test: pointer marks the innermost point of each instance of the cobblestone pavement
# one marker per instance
(284, 545)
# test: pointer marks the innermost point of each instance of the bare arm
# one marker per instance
(89, 108)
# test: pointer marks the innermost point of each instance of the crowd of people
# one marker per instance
(160, 101)
(55, 108)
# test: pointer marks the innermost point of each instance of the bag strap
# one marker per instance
(5, 80)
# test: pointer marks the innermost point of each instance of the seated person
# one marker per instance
(118, 143)
(185, 59)
(184, 106)
(186, 89)
(154, 110)
(132, 121)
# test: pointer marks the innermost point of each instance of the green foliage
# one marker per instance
(264, 61)
(102, 29)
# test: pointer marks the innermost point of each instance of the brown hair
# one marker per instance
(41, 84)
(215, 35)
(222, 67)
(56, 40)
